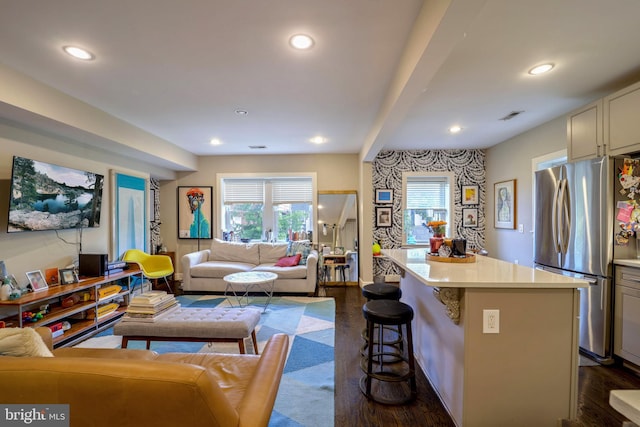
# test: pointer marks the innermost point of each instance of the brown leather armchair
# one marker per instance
(106, 387)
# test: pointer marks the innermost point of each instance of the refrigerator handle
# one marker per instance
(566, 218)
(554, 218)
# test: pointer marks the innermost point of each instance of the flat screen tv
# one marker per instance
(44, 196)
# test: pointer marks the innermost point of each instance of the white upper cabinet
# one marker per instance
(608, 126)
(622, 121)
(584, 132)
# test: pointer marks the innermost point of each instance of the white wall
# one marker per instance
(39, 250)
(512, 160)
(333, 171)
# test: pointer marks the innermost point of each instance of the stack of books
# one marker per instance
(149, 306)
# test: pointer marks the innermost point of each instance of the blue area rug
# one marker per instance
(306, 394)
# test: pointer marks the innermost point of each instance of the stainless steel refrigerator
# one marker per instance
(573, 236)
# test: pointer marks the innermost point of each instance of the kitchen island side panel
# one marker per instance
(525, 374)
(438, 344)
(528, 373)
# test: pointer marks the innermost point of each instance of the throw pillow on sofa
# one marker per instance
(289, 261)
(302, 247)
(22, 342)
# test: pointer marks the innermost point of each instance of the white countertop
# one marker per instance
(627, 402)
(627, 262)
(484, 273)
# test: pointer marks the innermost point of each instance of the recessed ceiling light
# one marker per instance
(455, 129)
(301, 41)
(215, 141)
(318, 140)
(541, 69)
(79, 53)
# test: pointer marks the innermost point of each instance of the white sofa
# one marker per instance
(203, 271)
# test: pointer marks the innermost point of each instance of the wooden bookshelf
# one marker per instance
(81, 315)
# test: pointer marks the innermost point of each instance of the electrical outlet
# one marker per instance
(490, 321)
(521, 228)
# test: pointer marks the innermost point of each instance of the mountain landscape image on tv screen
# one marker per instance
(52, 197)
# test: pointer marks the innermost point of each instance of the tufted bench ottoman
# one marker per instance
(196, 325)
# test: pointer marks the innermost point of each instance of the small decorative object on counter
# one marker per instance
(459, 248)
(438, 228)
(376, 249)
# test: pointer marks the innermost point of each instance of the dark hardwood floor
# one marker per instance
(353, 409)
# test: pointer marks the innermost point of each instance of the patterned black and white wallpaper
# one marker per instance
(468, 167)
(154, 187)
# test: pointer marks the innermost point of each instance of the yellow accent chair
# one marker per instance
(153, 266)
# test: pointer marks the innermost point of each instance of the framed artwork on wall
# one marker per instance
(470, 195)
(152, 205)
(129, 213)
(470, 217)
(384, 196)
(383, 217)
(505, 204)
(194, 212)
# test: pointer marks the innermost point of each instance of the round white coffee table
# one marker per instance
(241, 284)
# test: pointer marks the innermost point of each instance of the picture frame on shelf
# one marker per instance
(383, 217)
(37, 282)
(195, 209)
(68, 276)
(13, 281)
(51, 275)
(339, 250)
(470, 195)
(504, 194)
(470, 217)
(384, 196)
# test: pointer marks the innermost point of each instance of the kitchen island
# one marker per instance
(524, 371)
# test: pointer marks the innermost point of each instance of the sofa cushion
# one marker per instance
(219, 269)
(296, 272)
(271, 252)
(288, 261)
(235, 252)
(22, 342)
(302, 247)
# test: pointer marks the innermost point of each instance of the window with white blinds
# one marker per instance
(267, 208)
(291, 191)
(427, 196)
(294, 190)
(243, 191)
(424, 192)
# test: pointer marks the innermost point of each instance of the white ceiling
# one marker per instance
(391, 74)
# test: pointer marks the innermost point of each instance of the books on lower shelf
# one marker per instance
(108, 291)
(149, 306)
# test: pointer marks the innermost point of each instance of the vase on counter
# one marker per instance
(434, 244)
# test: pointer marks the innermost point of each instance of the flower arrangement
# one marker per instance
(438, 228)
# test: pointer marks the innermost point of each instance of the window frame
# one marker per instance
(268, 211)
(450, 178)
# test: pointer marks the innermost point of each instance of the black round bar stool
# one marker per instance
(376, 291)
(390, 377)
(381, 291)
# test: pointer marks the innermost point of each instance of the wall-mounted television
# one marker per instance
(44, 196)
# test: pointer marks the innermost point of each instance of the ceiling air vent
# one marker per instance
(511, 115)
(257, 147)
